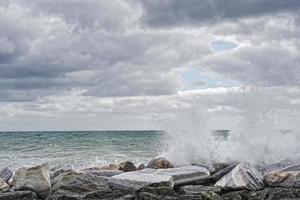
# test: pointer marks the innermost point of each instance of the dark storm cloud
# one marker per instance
(102, 47)
(192, 12)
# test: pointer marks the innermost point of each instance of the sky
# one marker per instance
(142, 64)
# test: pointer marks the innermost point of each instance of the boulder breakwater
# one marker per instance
(158, 179)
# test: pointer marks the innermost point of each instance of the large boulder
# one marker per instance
(127, 166)
(82, 185)
(18, 195)
(285, 179)
(6, 174)
(35, 178)
(243, 176)
(167, 177)
(4, 187)
(159, 163)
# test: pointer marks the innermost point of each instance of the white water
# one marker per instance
(257, 138)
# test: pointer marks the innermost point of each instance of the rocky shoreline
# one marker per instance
(159, 179)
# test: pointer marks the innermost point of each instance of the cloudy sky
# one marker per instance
(138, 64)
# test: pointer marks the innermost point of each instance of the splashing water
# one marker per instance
(257, 138)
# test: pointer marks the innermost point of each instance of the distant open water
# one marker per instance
(78, 149)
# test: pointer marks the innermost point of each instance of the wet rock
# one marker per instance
(219, 174)
(35, 178)
(246, 195)
(290, 179)
(127, 166)
(4, 187)
(282, 166)
(102, 172)
(266, 194)
(168, 177)
(141, 166)
(282, 193)
(6, 174)
(111, 167)
(18, 195)
(243, 176)
(82, 185)
(293, 167)
(58, 172)
(199, 189)
(159, 163)
(217, 167)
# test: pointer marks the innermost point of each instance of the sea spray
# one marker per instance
(258, 136)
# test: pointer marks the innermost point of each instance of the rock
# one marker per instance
(102, 172)
(294, 167)
(111, 167)
(290, 179)
(6, 174)
(18, 195)
(246, 195)
(167, 177)
(219, 174)
(267, 194)
(141, 166)
(127, 166)
(243, 176)
(199, 189)
(35, 178)
(217, 167)
(282, 193)
(159, 163)
(59, 171)
(4, 187)
(82, 185)
(284, 166)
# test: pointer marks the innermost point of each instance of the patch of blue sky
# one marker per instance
(223, 45)
(196, 79)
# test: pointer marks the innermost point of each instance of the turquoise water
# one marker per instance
(78, 149)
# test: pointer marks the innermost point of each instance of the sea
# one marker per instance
(78, 149)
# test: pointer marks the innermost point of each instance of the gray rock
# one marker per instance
(246, 195)
(294, 167)
(4, 187)
(159, 163)
(266, 194)
(199, 189)
(18, 195)
(169, 177)
(6, 174)
(82, 185)
(219, 174)
(141, 166)
(282, 166)
(59, 171)
(102, 172)
(35, 178)
(243, 176)
(127, 166)
(289, 179)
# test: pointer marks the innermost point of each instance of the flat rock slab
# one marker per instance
(18, 195)
(103, 172)
(169, 177)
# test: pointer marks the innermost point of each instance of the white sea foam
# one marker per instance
(259, 137)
